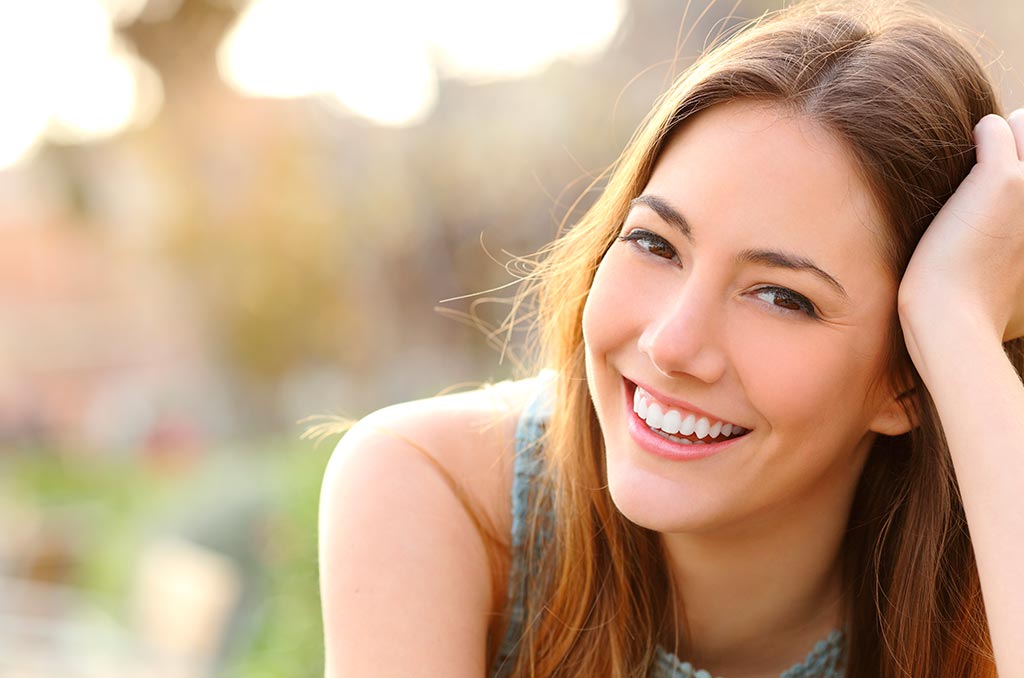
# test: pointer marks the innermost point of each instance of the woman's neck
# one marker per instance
(754, 599)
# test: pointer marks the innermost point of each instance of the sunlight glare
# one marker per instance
(294, 48)
(382, 60)
(97, 100)
(490, 40)
(123, 12)
(63, 75)
(269, 51)
(21, 130)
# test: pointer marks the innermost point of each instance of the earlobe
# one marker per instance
(898, 415)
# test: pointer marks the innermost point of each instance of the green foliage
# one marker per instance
(288, 637)
(98, 507)
(108, 508)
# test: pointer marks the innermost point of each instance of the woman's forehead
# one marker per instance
(767, 173)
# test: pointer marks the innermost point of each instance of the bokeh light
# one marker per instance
(382, 60)
(64, 76)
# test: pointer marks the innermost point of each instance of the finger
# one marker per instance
(994, 138)
(1016, 121)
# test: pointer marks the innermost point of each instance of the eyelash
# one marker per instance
(652, 240)
(638, 236)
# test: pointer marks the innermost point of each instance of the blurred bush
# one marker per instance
(92, 519)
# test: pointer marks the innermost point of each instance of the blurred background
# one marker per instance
(220, 217)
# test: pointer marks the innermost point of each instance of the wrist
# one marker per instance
(941, 336)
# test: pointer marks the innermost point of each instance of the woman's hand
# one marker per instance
(969, 266)
(961, 297)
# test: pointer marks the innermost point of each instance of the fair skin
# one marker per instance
(684, 313)
(404, 577)
(961, 297)
(808, 389)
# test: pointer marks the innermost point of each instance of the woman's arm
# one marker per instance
(404, 580)
(962, 296)
(980, 401)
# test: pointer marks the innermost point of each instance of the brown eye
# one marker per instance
(650, 242)
(785, 302)
(788, 300)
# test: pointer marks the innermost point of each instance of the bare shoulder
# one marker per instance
(406, 585)
(470, 435)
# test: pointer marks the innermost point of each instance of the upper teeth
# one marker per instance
(673, 421)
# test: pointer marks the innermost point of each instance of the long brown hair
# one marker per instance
(902, 92)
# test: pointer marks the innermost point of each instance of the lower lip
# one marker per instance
(646, 438)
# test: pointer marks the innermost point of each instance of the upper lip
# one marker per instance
(682, 404)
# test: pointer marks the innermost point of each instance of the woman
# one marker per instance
(782, 429)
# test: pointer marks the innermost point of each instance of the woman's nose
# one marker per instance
(683, 338)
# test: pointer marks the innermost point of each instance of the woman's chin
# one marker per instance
(665, 505)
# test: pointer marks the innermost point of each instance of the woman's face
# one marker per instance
(746, 287)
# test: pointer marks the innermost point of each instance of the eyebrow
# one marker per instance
(772, 258)
(793, 262)
(667, 213)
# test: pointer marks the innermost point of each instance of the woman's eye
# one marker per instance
(650, 242)
(789, 300)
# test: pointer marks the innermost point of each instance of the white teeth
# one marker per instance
(686, 428)
(654, 416)
(670, 423)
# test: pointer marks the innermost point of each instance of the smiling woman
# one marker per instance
(762, 440)
(692, 307)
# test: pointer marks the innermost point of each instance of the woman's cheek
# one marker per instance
(789, 374)
(612, 304)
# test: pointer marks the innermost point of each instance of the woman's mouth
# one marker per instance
(675, 432)
(679, 425)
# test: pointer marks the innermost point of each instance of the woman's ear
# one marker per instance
(898, 414)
